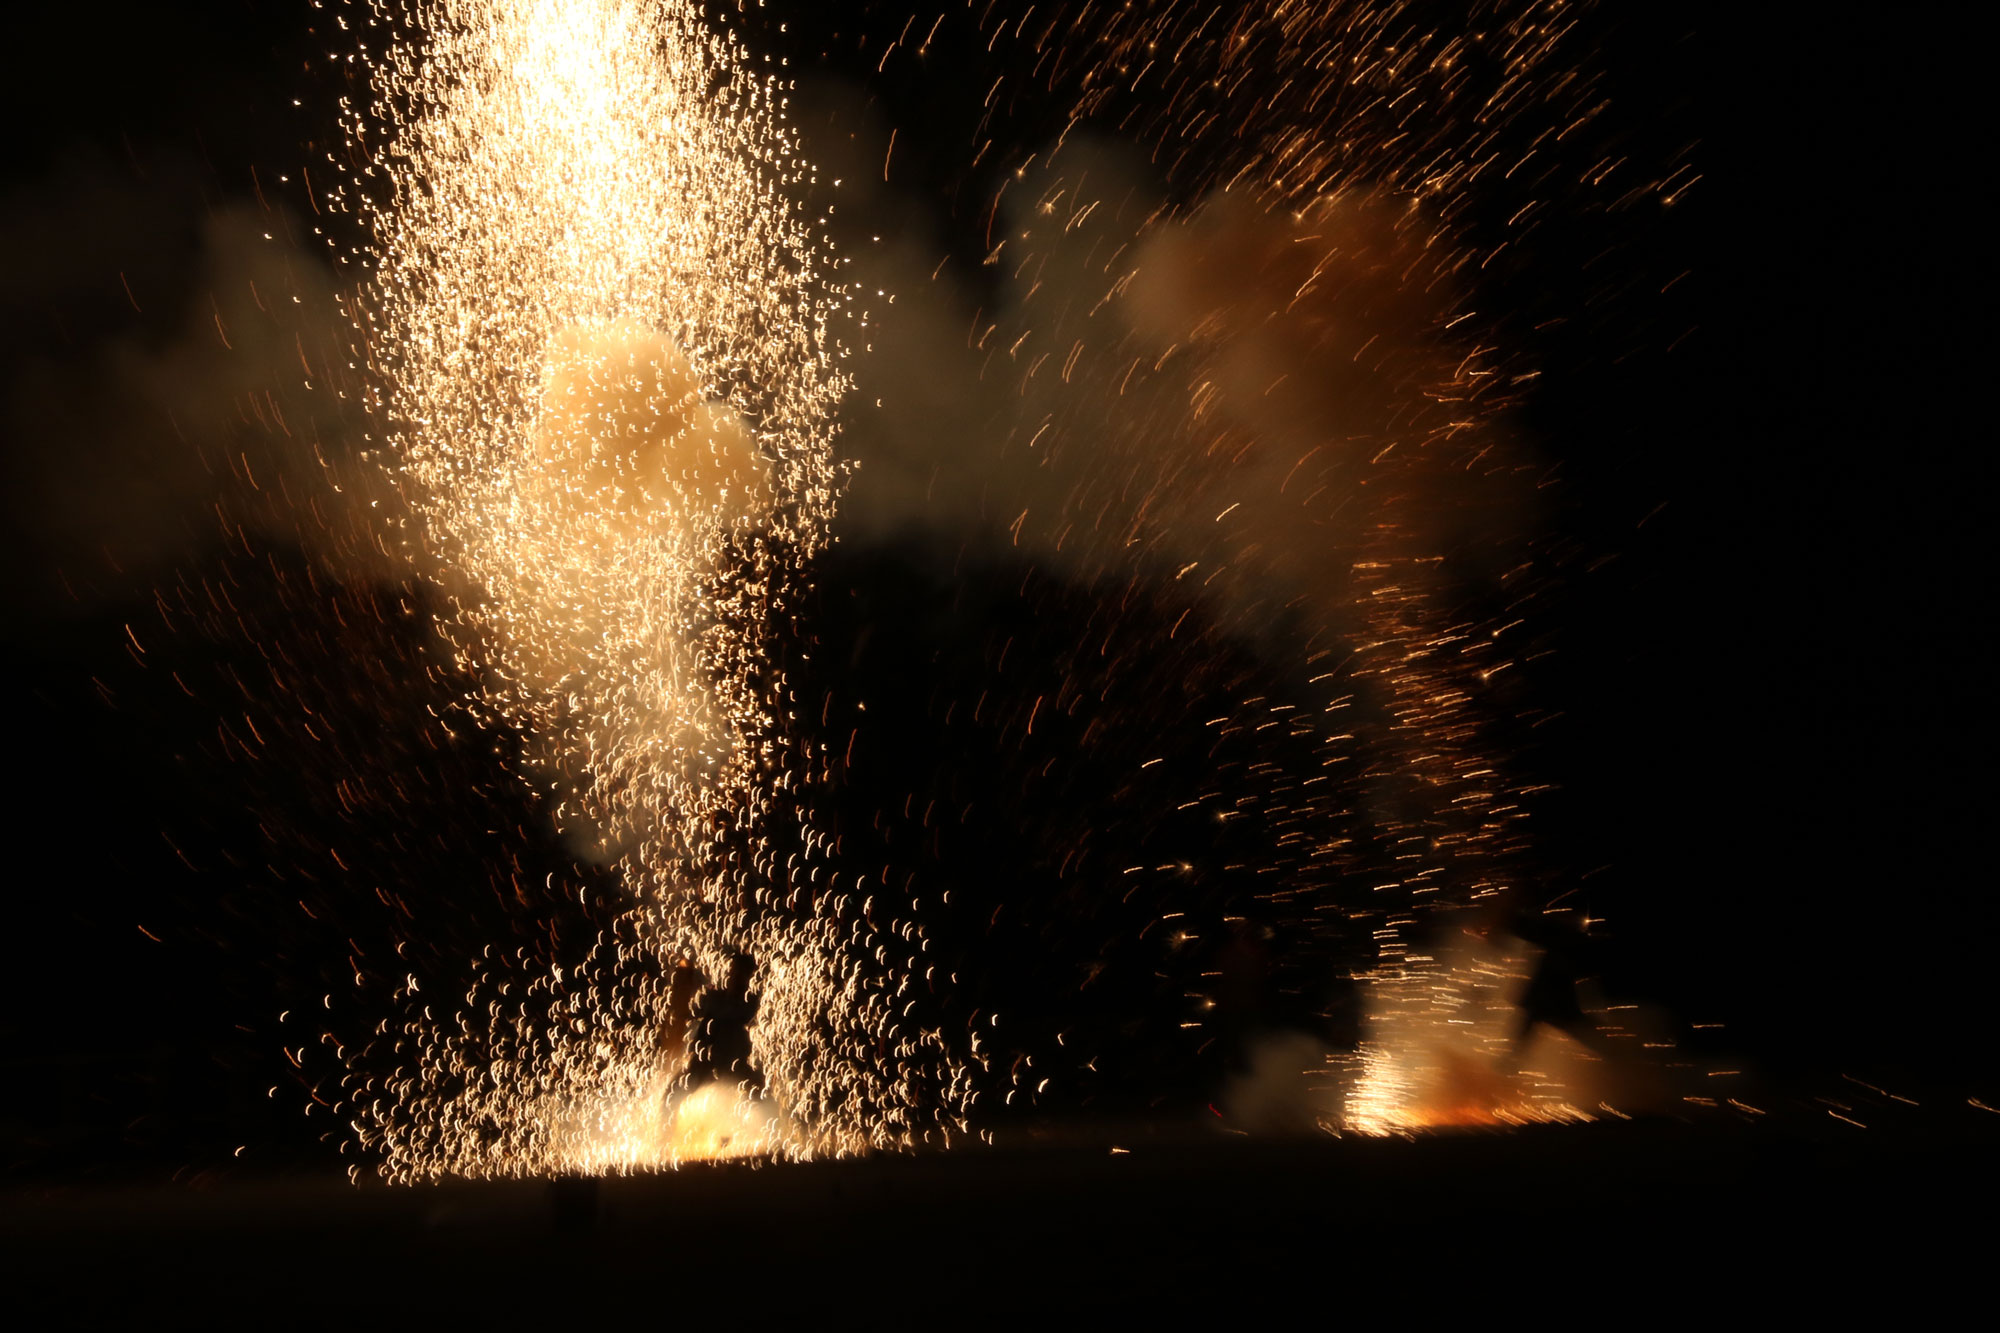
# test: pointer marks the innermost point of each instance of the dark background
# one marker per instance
(1772, 756)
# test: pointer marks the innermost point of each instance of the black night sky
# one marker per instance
(1768, 545)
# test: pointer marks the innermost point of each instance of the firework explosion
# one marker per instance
(1253, 367)
(600, 341)
(607, 374)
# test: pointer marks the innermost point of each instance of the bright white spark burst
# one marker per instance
(601, 338)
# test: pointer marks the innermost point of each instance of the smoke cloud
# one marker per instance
(1233, 397)
(210, 363)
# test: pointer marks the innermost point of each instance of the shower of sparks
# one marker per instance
(602, 340)
(1293, 405)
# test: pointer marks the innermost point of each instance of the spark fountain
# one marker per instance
(604, 348)
(1255, 366)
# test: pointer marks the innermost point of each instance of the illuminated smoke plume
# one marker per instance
(602, 343)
